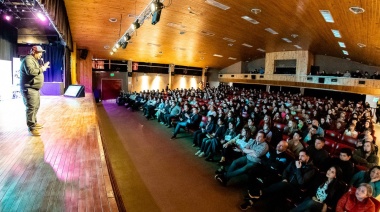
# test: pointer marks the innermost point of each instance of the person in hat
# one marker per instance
(31, 81)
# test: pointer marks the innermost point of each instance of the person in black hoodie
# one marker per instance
(345, 163)
(326, 193)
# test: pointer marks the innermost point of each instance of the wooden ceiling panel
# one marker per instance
(179, 37)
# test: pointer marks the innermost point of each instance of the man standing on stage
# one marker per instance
(31, 81)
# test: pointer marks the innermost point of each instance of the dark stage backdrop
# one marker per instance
(8, 41)
(54, 54)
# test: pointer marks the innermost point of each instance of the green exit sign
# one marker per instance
(112, 74)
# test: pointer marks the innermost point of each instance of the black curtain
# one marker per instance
(67, 67)
(8, 41)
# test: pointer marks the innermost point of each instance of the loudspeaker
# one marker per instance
(253, 77)
(74, 91)
(156, 17)
(314, 70)
(83, 54)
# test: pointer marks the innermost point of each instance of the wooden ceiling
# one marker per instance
(179, 37)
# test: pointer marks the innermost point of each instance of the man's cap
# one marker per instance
(37, 49)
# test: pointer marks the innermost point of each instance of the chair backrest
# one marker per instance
(330, 146)
(349, 140)
(280, 126)
(340, 146)
(332, 134)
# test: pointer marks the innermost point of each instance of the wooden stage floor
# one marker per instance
(62, 170)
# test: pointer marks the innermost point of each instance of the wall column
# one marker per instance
(73, 64)
(204, 70)
(171, 69)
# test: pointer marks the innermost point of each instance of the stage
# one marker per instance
(62, 170)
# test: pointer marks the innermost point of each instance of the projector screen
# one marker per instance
(75, 91)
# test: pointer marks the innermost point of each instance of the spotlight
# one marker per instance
(114, 49)
(7, 17)
(126, 37)
(155, 6)
(41, 17)
(124, 45)
(117, 46)
(135, 25)
(111, 53)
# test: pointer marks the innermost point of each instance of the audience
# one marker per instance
(357, 201)
(258, 114)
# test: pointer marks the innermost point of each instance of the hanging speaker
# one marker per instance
(83, 54)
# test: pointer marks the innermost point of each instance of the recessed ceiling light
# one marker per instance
(247, 18)
(112, 20)
(230, 44)
(261, 50)
(336, 33)
(294, 35)
(271, 31)
(217, 4)
(298, 47)
(345, 52)
(341, 44)
(357, 10)
(106, 47)
(361, 45)
(286, 40)
(232, 58)
(327, 16)
(247, 45)
(217, 55)
(256, 11)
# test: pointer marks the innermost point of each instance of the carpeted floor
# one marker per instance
(155, 173)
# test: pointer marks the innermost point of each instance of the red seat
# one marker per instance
(349, 140)
(340, 146)
(330, 146)
(279, 126)
(332, 134)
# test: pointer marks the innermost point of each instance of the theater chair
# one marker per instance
(279, 126)
(330, 146)
(349, 140)
(333, 135)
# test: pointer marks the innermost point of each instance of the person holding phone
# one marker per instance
(31, 81)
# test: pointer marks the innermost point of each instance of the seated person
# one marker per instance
(311, 135)
(345, 163)
(254, 150)
(295, 145)
(239, 141)
(268, 133)
(326, 193)
(357, 201)
(251, 126)
(372, 177)
(296, 175)
(290, 128)
(211, 142)
(317, 154)
(351, 131)
(187, 121)
(365, 156)
(174, 112)
(200, 134)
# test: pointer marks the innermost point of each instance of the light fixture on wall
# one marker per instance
(136, 25)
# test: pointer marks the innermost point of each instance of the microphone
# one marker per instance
(42, 61)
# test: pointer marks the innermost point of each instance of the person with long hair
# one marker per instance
(372, 177)
(326, 194)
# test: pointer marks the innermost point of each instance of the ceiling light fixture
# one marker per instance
(327, 16)
(336, 33)
(286, 40)
(298, 47)
(217, 4)
(156, 8)
(247, 18)
(270, 30)
(112, 20)
(294, 35)
(361, 45)
(126, 37)
(217, 55)
(41, 16)
(345, 52)
(341, 44)
(357, 10)
(124, 45)
(135, 25)
(261, 50)
(247, 45)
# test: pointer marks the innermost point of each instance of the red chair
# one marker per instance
(330, 146)
(279, 126)
(340, 146)
(332, 134)
(349, 140)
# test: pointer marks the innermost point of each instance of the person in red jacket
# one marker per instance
(357, 201)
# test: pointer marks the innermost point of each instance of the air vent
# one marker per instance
(247, 45)
(357, 10)
(361, 45)
(203, 32)
(247, 18)
(270, 30)
(217, 4)
(112, 20)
